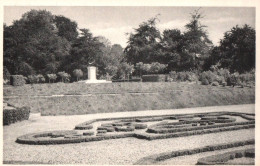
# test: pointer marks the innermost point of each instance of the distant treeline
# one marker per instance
(43, 43)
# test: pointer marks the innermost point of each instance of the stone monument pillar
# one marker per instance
(92, 73)
(92, 78)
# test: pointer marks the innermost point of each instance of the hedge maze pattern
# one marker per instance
(149, 128)
(210, 160)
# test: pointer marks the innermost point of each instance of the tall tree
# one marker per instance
(32, 43)
(143, 43)
(66, 28)
(237, 49)
(197, 45)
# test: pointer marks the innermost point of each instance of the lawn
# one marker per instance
(81, 98)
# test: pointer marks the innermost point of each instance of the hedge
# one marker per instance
(15, 115)
(17, 80)
(130, 80)
(154, 78)
(153, 159)
(131, 126)
(223, 158)
(173, 130)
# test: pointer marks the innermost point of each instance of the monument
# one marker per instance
(92, 76)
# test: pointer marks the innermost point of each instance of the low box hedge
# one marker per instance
(17, 80)
(224, 157)
(16, 114)
(154, 78)
(154, 159)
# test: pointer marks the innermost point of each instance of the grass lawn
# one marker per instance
(81, 98)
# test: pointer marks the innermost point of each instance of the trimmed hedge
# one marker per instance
(17, 80)
(154, 78)
(130, 80)
(153, 159)
(223, 158)
(173, 130)
(35, 138)
(15, 115)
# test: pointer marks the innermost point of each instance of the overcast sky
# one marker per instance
(114, 22)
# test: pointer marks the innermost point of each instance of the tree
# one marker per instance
(126, 70)
(237, 49)
(86, 50)
(66, 28)
(78, 73)
(197, 45)
(144, 43)
(172, 47)
(32, 43)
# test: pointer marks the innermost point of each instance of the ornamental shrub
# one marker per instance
(52, 77)
(33, 79)
(41, 78)
(17, 80)
(15, 115)
(215, 83)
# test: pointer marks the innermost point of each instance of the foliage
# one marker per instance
(33, 79)
(237, 49)
(32, 43)
(182, 76)
(41, 78)
(143, 43)
(78, 73)
(65, 77)
(52, 77)
(17, 80)
(126, 70)
(15, 115)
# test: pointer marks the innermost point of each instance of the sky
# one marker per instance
(114, 22)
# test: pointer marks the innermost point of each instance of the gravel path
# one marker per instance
(119, 151)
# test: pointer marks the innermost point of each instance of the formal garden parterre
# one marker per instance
(149, 128)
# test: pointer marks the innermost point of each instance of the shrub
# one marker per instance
(65, 77)
(17, 80)
(224, 73)
(41, 78)
(16, 114)
(154, 78)
(233, 80)
(204, 81)
(78, 73)
(6, 76)
(88, 133)
(172, 76)
(52, 77)
(33, 79)
(208, 75)
(215, 83)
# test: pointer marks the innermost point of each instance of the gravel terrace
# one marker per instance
(119, 151)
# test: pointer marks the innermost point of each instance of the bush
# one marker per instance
(215, 83)
(204, 81)
(33, 79)
(52, 77)
(208, 75)
(41, 78)
(154, 78)
(17, 80)
(15, 115)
